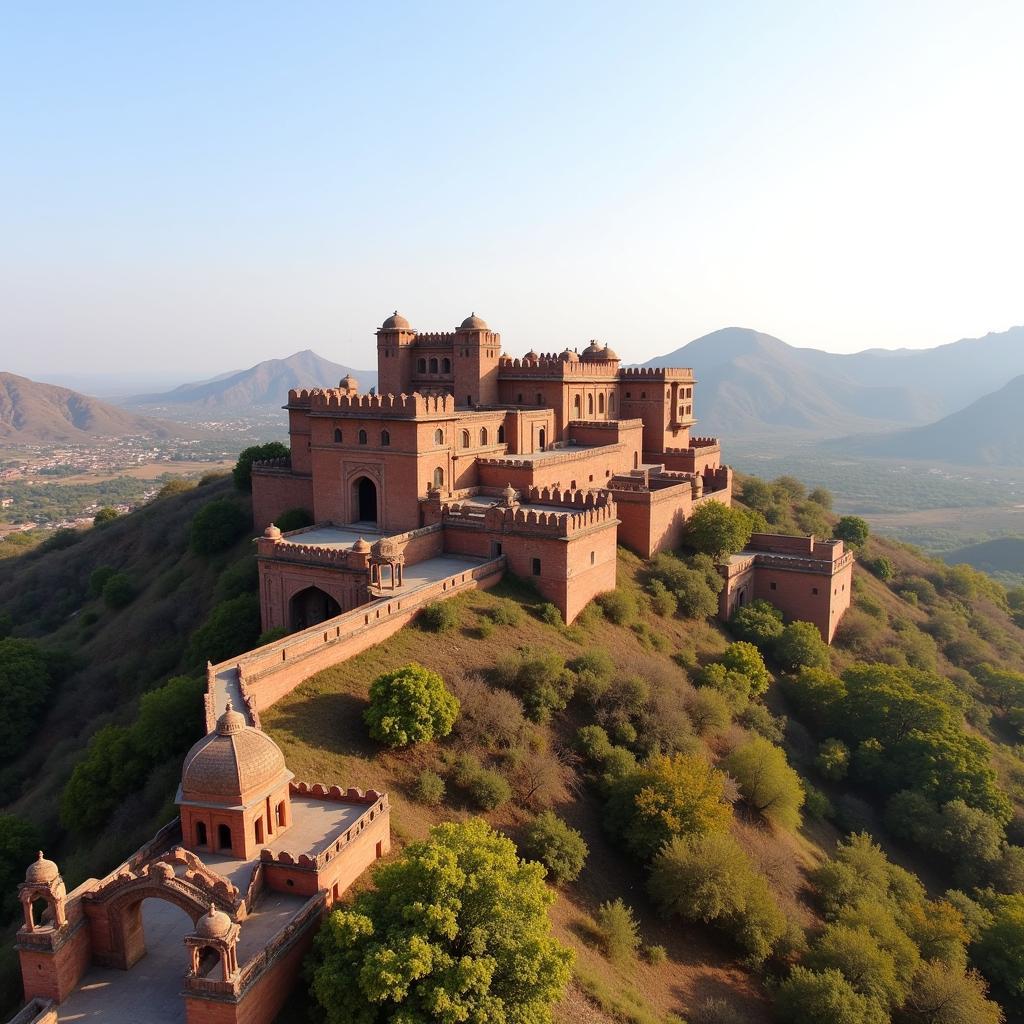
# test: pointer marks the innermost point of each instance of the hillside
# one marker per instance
(990, 432)
(1002, 558)
(651, 693)
(31, 412)
(750, 382)
(259, 388)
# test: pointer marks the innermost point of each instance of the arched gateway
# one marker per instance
(364, 500)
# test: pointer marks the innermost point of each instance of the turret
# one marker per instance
(476, 351)
(395, 339)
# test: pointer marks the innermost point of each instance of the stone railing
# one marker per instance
(553, 365)
(336, 402)
(282, 463)
(644, 373)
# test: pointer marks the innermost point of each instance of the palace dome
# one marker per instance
(396, 322)
(591, 352)
(568, 356)
(531, 355)
(41, 871)
(606, 354)
(232, 761)
(473, 323)
(213, 925)
(361, 546)
(349, 383)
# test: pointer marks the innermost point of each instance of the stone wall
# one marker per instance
(276, 489)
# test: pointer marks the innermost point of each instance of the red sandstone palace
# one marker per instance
(465, 465)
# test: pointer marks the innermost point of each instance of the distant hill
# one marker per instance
(262, 388)
(752, 382)
(990, 432)
(31, 412)
(1002, 558)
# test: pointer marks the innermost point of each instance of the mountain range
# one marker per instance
(261, 388)
(31, 412)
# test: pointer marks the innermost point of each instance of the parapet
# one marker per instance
(336, 402)
(657, 373)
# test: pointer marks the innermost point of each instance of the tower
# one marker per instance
(476, 351)
(395, 361)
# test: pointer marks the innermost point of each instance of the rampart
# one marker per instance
(336, 402)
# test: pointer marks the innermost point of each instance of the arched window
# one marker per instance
(501, 434)
(439, 436)
(439, 477)
(541, 438)
(611, 402)
(483, 435)
(590, 405)
(223, 837)
(337, 435)
(446, 365)
(201, 839)
(433, 366)
(385, 438)
(577, 408)
(465, 439)
(362, 437)
(421, 366)
(600, 403)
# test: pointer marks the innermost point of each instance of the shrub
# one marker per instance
(488, 790)
(833, 760)
(669, 796)
(410, 705)
(1000, 947)
(269, 636)
(118, 591)
(860, 958)
(293, 519)
(105, 515)
(816, 804)
(231, 627)
(488, 718)
(19, 841)
(883, 568)
(176, 486)
(759, 622)
(709, 711)
(655, 955)
(505, 613)
(496, 929)
(98, 578)
(594, 669)
(242, 473)
(620, 934)
(558, 847)
(767, 781)
(429, 788)
(663, 601)
(716, 1011)
(217, 525)
(549, 614)
(745, 658)
(540, 677)
(718, 530)
(799, 645)
(852, 530)
(619, 606)
(944, 996)
(438, 617)
(593, 743)
(757, 718)
(824, 997)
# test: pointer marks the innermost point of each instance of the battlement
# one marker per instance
(561, 523)
(335, 402)
(551, 364)
(562, 497)
(684, 373)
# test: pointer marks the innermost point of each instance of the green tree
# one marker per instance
(767, 781)
(105, 515)
(119, 590)
(669, 796)
(745, 658)
(25, 682)
(701, 877)
(824, 997)
(852, 530)
(799, 645)
(620, 934)
(859, 957)
(232, 627)
(718, 530)
(242, 473)
(19, 841)
(455, 930)
(98, 578)
(438, 617)
(1000, 948)
(293, 519)
(943, 996)
(561, 849)
(1004, 687)
(759, 622)
(217, 525)
(833, 760)
(410, 705)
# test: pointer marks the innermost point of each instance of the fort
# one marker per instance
(467, 464)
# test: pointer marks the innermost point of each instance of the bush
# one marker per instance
(488, 790)
(594, 669)
(293, 519)
(852, 530)
(757, 718)
(488, 718)
(429, 788)
(759, 622)
(217, 525)
(883, 568)
(767, 781)
(862, 960)
(833, 760)
(98, 578)
(620, 934)
(410, 705)
(118, 591)
(1000, 948)
(19, 841)
(663, 601)
(718, 530)
(232, 627)
(438, 617)
(176, 486)
(709, 711)
(541, 679)
(951, 996)
(105, 515)
(799, 645)
(505, 614)
(669, 796)
(495, 929)
(558, 847)
(272, 635)
(745, 658)
(619, 606)
(242, 473)
(549, 613)
(824, 997)
(655, 955)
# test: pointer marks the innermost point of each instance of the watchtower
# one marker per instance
(476, 350)
(395, 356)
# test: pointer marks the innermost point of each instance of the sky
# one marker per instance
(189, 188)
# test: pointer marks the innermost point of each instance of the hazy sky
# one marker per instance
(189, 188)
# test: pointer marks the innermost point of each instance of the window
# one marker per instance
(465, 439)
(593, 557)
(540, 398)
(421, 366)
(611, 402)
(362, 437)
(519, 398)
(223, 837)
(773, 585)
(439, 477)
(590, 405)
(446, 365)
(483, 435)
(201, 839)
(259, 831)
(280, 815)
(439, 436)
(590, 479)
(385, 438)
(814, 590)
(629, 394)
(433, 366)
(600, 404)
(536, 567)
(643, 395)
(501, 434)
(576, 408)
(337, 435)
(469, 400)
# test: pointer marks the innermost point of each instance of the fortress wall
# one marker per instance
(276, 491)
(653, 521)
(274, 670)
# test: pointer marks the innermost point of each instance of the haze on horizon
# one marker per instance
(192, 188)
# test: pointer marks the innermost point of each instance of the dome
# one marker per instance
(510, 494)
(214, 925)
(272, 532)
(473, 323)
(396, 322)
(386, 547)
(531, 355)
(232, 761)
(349, 383)
(41, 871)
(568, 356)
(605, 354)
(361, 547)
(591, 352)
